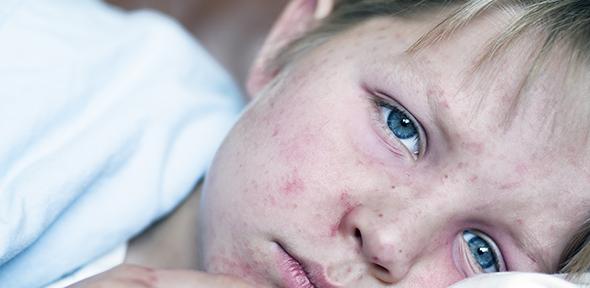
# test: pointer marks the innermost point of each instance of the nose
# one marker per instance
(387, 254)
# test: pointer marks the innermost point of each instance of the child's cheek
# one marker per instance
(305, 183)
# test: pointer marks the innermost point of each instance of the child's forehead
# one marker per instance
(549, 102)
(499, 101)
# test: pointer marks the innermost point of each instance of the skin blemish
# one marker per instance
(473, 178)
(521, 169)
(347, 203)
(474, 147)
(347, 206)
(272, 200)
(294, 184)
(334, 229)
(509, 185)
(435, 93)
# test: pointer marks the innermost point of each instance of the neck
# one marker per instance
(170, 242)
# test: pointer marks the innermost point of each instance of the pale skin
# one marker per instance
(314, 169)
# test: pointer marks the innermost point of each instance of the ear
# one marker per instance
(299, 17)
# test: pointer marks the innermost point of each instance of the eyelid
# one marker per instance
(381, 98)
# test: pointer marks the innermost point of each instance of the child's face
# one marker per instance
(313, 168)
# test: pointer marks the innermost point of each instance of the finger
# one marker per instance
(127, 276)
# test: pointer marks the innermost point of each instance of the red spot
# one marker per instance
(509, 186)
(473, 178)
(434, 93)
(347, 205)
(294, 185)
(334, 229)
(521, 169)
(346, 202)
(272, 200)
(474, 147)
(296, 149)
(275, 131)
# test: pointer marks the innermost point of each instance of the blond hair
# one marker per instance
(564, 23)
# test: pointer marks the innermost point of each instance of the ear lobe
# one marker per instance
(299, 17)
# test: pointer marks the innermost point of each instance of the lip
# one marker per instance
(298, 274)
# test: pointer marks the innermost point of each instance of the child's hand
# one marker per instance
(131, 276)
(515, 280)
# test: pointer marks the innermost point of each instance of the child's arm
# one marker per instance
(131, 276)
(515, 280)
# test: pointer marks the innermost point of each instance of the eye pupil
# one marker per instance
(401, 125)
(480, 249)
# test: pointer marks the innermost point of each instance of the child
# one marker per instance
(399, 144)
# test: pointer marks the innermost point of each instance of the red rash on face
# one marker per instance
(272, 200)
(275, 131)
(347, 206)
(474, 147)
(293, 150)
(346, 202)
(294, 185)
(509, 186)
(521, 169)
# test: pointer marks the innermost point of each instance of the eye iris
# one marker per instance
(401, 125)
(482, 252)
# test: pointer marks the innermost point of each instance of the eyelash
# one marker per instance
(381, 101)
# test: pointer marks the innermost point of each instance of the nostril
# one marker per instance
(380, 268)
(358, 236)
(382, 273)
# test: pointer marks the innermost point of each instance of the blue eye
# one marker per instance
(403, 127)
(483, 252)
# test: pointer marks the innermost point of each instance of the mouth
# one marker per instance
(295, 274)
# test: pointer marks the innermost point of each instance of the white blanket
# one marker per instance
(107, 120)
